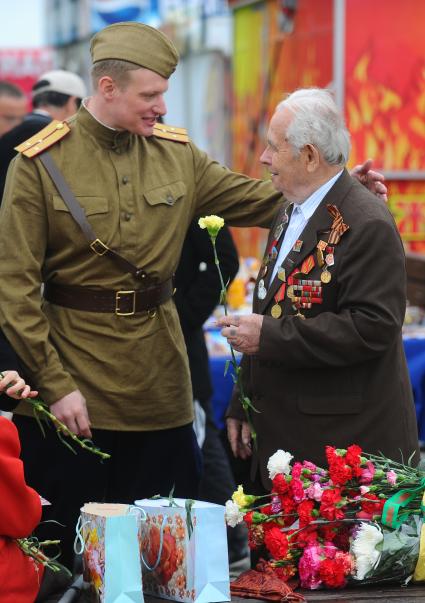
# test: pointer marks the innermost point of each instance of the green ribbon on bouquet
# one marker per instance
(393, 514)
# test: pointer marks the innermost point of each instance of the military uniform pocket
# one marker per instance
(167, 194)
(91, 205)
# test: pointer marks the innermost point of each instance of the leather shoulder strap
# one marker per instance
(77, 212)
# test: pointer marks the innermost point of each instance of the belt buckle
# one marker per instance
(118, 296)
(99, 247)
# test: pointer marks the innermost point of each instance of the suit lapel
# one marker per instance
(317, 228)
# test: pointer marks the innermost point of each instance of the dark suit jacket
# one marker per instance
(340, 376)
(32, 123)
(198, 293)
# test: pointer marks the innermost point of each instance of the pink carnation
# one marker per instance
(391, 477)
(315, 491)
(367, 474)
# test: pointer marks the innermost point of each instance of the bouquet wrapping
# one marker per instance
(357, 521)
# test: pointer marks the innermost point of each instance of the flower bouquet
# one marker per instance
(358, 521)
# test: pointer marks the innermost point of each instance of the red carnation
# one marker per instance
(297, 489)
(330, 454)
(328, 505)
(267, 510)
(276, 543)
(280, 485)
(248, 518)
(340, 472)
(332, 573)
(375, 506)
(305, 509)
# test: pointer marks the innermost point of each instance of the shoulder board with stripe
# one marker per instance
(44, 139)
(170, 133)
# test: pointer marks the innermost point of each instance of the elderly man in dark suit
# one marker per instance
(323, 355)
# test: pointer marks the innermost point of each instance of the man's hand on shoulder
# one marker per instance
(72, 410)
(372, 180)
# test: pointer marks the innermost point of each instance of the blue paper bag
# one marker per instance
(111, 556)
(184, 553)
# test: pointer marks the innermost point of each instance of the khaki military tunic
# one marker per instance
(139, 194)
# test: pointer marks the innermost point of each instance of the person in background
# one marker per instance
(197, 294)
(13, 106)
(323, 356)
(56, 95)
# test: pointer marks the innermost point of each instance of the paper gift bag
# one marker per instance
(184, 554)
(110, 547)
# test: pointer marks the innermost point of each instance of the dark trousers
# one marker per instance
(142, 464)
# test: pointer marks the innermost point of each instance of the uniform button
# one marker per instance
(127, 216)
(125, 180)
(169, 199)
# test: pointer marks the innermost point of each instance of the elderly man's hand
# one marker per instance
(372, 180)
(242, 332)
(239, 436)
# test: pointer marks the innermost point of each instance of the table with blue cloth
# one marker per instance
(415, 355)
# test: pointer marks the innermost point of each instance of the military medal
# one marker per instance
(281, 274)
(297, 246)
(276, 311)
(290, 292)
(320, 258)
(325, 277)
(329, 259)
(264, 270)
(262, 291)
(278, 231)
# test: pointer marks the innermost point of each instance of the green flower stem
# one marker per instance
(32, 548)
(40, 410)
(245, 401)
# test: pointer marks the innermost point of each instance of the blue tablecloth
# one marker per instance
(415, 354)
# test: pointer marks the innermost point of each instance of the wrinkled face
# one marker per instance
(136, 106)
(288, 171)
(12, 112)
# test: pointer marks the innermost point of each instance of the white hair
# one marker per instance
(317, 121)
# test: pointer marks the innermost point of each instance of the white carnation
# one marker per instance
(279, 462)
(233, 514)
(364, 549)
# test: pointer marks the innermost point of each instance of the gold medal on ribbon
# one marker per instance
(325, 277)
(276, 311)
(290, 291)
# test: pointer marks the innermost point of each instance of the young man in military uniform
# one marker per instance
(104, 346)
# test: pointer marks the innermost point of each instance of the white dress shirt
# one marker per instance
(300, 216)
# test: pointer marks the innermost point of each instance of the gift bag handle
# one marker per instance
(79, 542)
(161, 542)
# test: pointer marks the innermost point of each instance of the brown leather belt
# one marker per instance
(121, 303)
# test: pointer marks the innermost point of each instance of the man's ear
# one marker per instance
(107, 87)
(311, 157)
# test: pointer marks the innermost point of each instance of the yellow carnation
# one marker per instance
(212, 223)
(240, 498)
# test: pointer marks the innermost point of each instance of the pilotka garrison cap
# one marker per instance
(137, 43)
